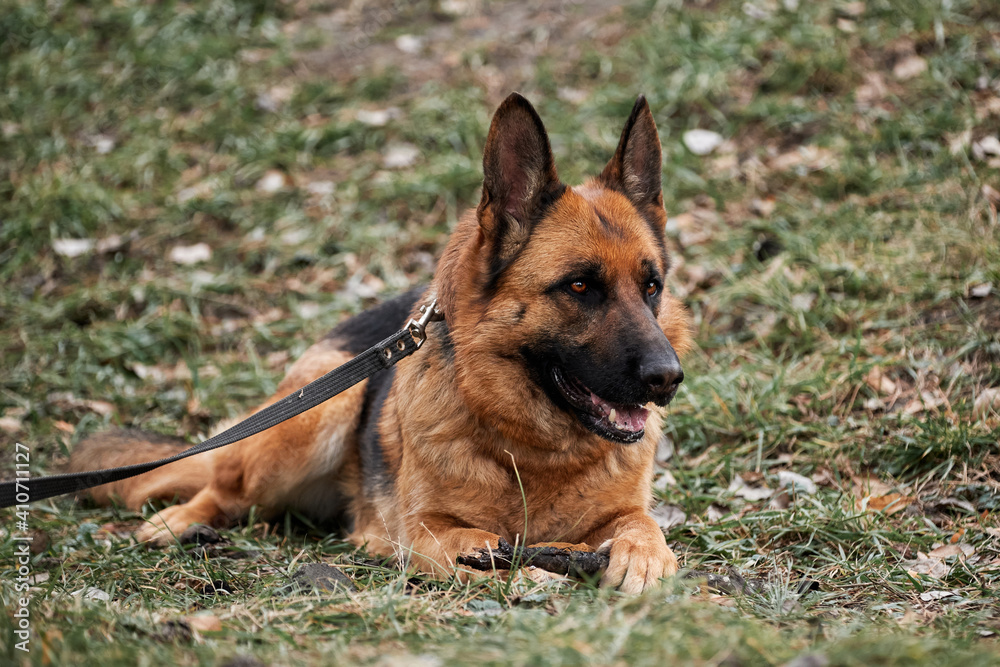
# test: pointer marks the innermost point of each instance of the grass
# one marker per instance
(833, 253)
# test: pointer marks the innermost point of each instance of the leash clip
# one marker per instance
(417, 328)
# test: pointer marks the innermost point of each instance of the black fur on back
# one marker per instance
(356, 335)
(374, 472)
(360, 332)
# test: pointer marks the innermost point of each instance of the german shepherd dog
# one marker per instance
(530, 413)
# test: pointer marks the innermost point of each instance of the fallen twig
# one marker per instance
(585, 564)
(552, 559)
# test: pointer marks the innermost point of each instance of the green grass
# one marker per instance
(840, 235)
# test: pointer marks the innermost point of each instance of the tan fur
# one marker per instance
(475, 449)
(179, 480)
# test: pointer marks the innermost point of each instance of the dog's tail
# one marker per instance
(122, 447)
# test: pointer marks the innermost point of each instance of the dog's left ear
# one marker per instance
(636, 168)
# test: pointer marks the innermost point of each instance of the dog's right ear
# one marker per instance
(518, 172)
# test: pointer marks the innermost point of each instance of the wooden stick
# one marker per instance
(585, 564)
(552, 559)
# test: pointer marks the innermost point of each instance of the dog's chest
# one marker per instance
(560, 509)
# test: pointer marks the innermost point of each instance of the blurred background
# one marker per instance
(193, 192)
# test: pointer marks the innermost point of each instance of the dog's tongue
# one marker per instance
(622, 417)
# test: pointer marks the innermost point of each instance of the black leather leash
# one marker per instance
(379, 357)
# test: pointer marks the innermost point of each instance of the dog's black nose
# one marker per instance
(661, 375)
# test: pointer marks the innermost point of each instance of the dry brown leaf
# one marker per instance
(880, 382)
(741, 489)
(190, 254)
(114, 242)
(572, 95)
(691, 227)
(854, 9)
(780, 501)
(725, 165)
(65, 427)
(665, 452)
(763, 207)
(870, 486)
(959, 142)
(204, 622)
(275, 98)
(72, 247)
(803, 301)
(991, 194)
(987, 108)
(924, 564)
(201, 190)
(702, 142)
(539, 576)
(874, 404)
(980, 290)
(871, 92)
(67, 401)
(154, 374)
(823, 476)
(987, 401)
(909, 67)
(888, 504)
(10, 425)
(988, 145)
(933, 596)
(932, 567)
(722, 600)
(273, 180)
(927, 401)
(715, 512)
(194, 408)
(961, 550)
(932, 564)
(400, 155)
(796, 482)
(664, 481)
(811, 158)
(668, 516)
(277, 359)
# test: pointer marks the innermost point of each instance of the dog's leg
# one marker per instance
(271, 469)
(252, 473)
(203, 508)
(638, 551)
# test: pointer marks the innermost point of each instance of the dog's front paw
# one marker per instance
(438, 549)
(166, 526)
(638, 559)
(155, 533)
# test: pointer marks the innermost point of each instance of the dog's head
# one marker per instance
(555, 295)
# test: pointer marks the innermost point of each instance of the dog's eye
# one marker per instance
(652, 288)
(578, 286)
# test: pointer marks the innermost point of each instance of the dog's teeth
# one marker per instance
(613, 416)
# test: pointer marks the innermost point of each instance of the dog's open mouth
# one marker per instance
(614, 421)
